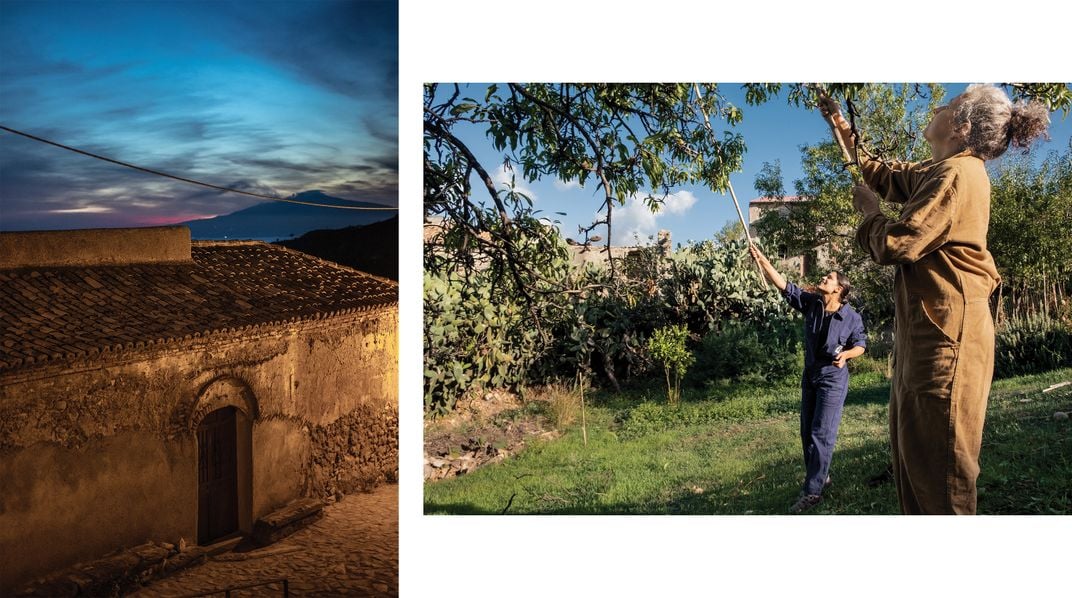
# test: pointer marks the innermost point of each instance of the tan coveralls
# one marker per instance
(944, 333)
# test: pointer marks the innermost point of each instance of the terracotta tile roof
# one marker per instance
(56, 314)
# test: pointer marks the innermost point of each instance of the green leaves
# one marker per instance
(1030, 212)
(667, 346)
(460, 109)
(1056, 96)
(631, 139)
(472, 341)
(479, 335)
(769, 181)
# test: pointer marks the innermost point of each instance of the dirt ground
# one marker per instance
(481, 430)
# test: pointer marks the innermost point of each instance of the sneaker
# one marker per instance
(806, 502)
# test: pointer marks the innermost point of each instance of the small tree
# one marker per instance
(667, 345)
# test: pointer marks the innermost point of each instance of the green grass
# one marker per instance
(735, 449)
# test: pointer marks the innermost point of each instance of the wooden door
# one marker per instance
(217, 476)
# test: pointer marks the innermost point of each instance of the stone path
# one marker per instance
(351, 551)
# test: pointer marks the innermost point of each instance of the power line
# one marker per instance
(186, 180)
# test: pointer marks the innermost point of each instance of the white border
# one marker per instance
(562, 40)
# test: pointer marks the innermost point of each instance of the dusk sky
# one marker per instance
(772, 131)
(269, 97)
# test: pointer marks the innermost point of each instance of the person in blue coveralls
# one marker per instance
(833, 334)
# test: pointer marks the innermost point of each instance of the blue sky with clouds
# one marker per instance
(772, 131)
(272, 97)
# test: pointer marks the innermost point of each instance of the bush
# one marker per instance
(745, 350)
(471, 342)
(667, 346)
(480, 334)
(1032, 345)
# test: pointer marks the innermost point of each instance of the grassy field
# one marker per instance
(736, 450)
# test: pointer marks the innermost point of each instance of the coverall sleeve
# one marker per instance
(891, 180)
(922, 227)
(858, 336)
(798, 298)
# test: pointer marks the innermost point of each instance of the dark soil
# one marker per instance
(484, 430)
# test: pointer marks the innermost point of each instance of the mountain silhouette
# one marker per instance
(273, 220)
(372, 248)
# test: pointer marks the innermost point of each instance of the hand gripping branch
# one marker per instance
(852, 159)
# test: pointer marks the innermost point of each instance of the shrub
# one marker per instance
(745, 350)
(667, 346)
(1031, 345)
(481, 334)
(471, 342)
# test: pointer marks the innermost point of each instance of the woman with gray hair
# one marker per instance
(944, 333)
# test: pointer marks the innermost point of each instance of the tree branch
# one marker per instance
(443, 133)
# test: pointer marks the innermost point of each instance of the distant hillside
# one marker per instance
(372, 248)
(274, 220)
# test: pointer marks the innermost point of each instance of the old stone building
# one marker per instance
(154, 388)
(799, 265)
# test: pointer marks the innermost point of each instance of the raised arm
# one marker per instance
(768, 270)
(839, 127)
(889, 179)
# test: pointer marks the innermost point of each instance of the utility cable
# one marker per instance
(191, 181)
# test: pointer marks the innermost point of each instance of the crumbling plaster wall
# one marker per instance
(98, 456)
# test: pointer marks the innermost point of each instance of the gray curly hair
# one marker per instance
(995, 122)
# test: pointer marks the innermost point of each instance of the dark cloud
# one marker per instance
(349, 47)
(386, 162)
(382, 126)
(362, 190)
(279, 164)
(252, 186)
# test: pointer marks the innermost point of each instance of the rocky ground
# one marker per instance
(481, 430)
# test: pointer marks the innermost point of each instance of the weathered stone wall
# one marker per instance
(102, 456)
(357, 452)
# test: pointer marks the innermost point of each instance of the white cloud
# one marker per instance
(566, 186)
(501, 177)
(634, 219)
(84, 210)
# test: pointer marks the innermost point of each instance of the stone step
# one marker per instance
(285, 521)
(110, 575)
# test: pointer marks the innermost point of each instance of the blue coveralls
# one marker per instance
(823, 386)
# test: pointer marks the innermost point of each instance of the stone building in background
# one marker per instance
(799, 265)
(156, 389)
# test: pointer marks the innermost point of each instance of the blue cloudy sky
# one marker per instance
(773, 131)
(276, 97)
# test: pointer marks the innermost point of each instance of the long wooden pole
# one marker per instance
(744, 224)
(729, 185)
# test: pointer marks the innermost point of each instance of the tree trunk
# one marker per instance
(608, 368)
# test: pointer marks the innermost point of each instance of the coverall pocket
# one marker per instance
(945, 319)
(931, 355)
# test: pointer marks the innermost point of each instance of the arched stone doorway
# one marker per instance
(223, 418)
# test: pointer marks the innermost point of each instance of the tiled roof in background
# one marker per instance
(52, 314)
(783, 199)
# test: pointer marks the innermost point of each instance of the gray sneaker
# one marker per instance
(806, 502)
